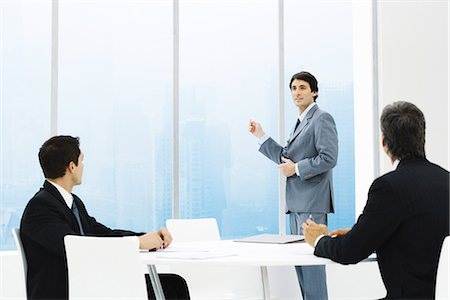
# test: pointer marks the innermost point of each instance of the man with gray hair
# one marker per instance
(406, 217)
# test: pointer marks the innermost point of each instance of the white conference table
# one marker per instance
(226, 252)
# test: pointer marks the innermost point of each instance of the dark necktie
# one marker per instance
(284, 152)
(296, 125)
(77, 216)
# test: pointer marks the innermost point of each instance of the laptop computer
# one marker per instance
(272, 238)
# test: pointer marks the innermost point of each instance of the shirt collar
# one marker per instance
(68, 198)
(395, 164)
(303, 114)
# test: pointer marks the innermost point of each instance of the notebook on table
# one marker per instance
(272, 238)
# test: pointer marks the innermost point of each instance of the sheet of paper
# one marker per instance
(194, 254)
(176, 249)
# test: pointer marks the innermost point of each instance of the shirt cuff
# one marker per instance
(264, 138)
(135, 240)
(318, 239)
(296, 170)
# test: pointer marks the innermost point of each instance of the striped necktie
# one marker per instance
(77, 216)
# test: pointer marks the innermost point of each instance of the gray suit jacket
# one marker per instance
(314, 146)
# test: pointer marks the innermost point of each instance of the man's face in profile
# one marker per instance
(78, 171)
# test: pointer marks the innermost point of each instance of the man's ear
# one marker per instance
(71, 167)
(384, 145)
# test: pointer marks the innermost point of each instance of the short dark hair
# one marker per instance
(56, 154)
(403, 127)
(309, 78)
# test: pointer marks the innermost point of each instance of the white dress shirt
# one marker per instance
(68, 198)
(302, 116)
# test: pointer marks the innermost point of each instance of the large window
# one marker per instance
(228, 63)
(115, 93)
(132, 75)
(25, 32)
(318, 38)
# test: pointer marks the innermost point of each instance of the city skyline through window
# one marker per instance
(116, 92)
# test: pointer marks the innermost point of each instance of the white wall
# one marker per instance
(412, 66)
(366, 146)
(413, 61)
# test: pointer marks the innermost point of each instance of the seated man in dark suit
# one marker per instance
(406, 217)
(55, 212)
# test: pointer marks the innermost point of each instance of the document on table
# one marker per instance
(202, 254)
(175, 249)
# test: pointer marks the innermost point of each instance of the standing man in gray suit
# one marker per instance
(307, 161)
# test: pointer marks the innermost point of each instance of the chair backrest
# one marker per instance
(443, 277)
(230, 282)
(23, 258)
(104, 268)
(193, 230)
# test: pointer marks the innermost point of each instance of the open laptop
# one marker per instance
(272, 238)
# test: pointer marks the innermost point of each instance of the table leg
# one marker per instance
(265, 282)
(156, 283)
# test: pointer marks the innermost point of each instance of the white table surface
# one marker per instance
(232, 253)
(244, 254)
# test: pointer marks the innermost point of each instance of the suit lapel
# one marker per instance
(303, 123)
(55, 193)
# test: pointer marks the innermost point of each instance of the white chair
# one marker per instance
(443, 270)
(104, 268)
(212, 282)
(193, 230)
(23, 258)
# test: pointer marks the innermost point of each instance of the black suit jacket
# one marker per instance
(405, 220)
(45, 222)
